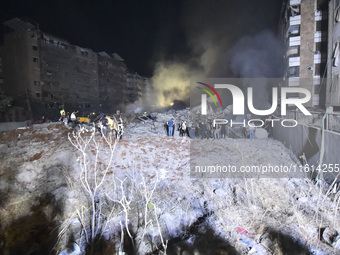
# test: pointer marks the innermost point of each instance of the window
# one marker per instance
(37, 71)
(336, 54)
(38, 94)
(84, 53)
(37, 83)
(293, 51)
(294, 30)
(293, 71)
(34, 47)
(335, 83)
(35, 60)
(317, 88)
(337, 15)
(295, 10)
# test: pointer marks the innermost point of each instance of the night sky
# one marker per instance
(147, 32)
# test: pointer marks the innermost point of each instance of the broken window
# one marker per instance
(337, 15)
(336, 54)
(294, 30)
(293, 71)
(295, 10)
(293, 51)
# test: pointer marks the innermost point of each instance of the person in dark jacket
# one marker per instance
(103, 126)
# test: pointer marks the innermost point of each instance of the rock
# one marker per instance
(220, 192)
(329, 235)
(3, 148)
(337, 245)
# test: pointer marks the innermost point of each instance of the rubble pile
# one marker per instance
(39, 177)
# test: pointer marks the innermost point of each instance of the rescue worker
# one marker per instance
(62, 115)
(74, 119)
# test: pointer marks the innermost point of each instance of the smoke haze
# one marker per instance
(223, 39)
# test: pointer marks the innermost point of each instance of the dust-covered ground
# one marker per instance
(137, 196)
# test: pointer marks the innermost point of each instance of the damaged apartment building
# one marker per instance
(311, 32)
(43, 73)
(304, 28)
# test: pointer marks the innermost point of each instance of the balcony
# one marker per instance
(295, 61)
(318, 16)
(295, 20)
(293, 82)
(294, 2)
(294, 41)
(317, 58)
(320, 36)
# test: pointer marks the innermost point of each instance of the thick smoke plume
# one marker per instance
(225, 39)
(171, 82)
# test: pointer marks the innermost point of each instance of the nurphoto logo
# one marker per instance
(238, 99)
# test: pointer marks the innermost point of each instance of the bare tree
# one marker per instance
(92, 174)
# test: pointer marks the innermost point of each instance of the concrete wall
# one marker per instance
(303, 139)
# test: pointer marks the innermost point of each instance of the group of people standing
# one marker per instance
(207, 130)
(66, 117)
(182, 128)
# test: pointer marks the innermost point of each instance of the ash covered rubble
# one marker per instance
(196, 215)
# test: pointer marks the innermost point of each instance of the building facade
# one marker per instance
(44, 73)
(333, 65)
(133, 90)
(112, 72)
(304, 28)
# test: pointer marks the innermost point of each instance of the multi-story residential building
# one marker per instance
(133, 90)
(20, 60)
(44, 73)
(304, 29)
(333, 64)
(112, 81)
(68, 74)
